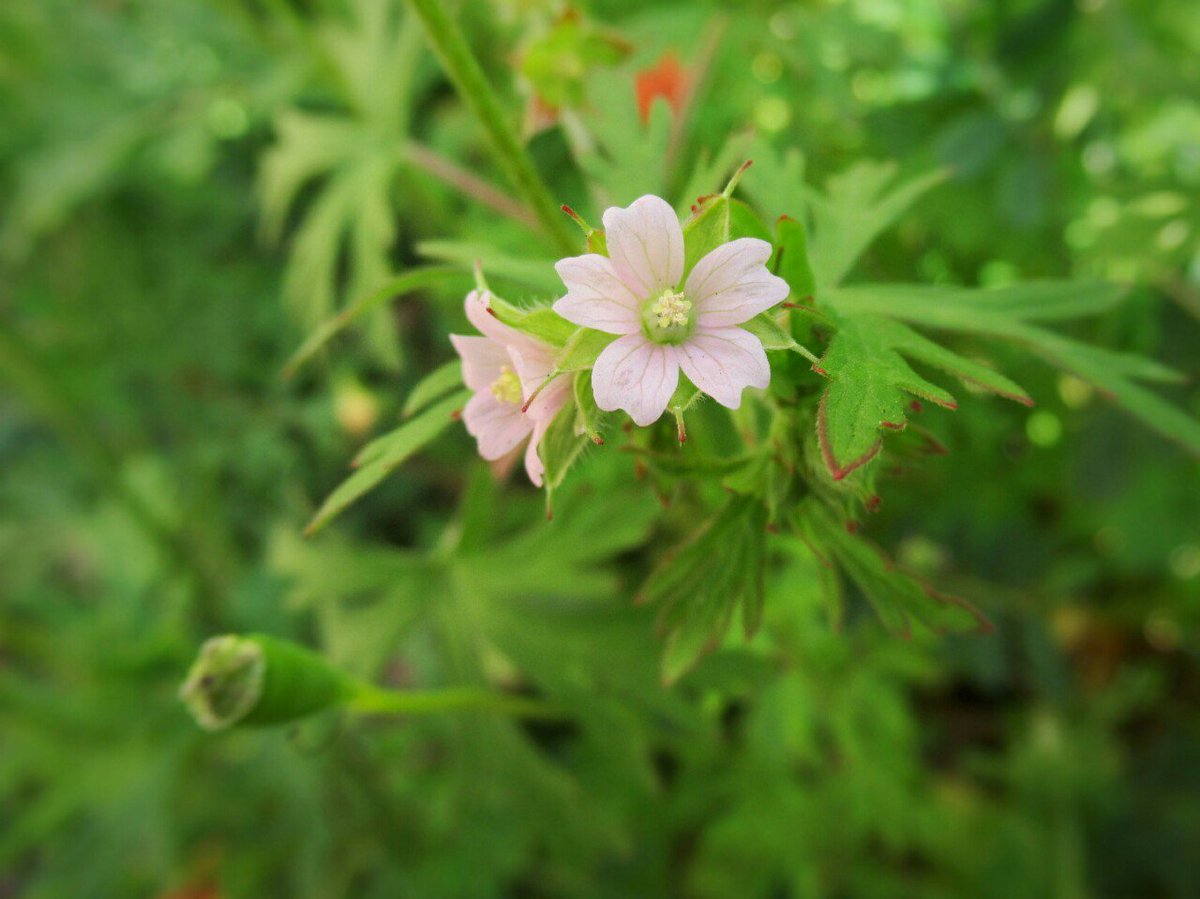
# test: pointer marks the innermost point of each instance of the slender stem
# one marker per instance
(464, 70)
(372, 700)
(469, 183)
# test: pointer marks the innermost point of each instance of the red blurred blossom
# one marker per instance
(666, 79)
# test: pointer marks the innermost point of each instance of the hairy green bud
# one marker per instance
(257, 679)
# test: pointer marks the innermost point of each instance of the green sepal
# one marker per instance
(717, 220)
(770, 332)
(540, 322)
(581, 349)
(791, 259)
(560, 447)
(591, 420)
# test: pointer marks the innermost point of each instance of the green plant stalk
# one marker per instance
(460, 64)
(369, 699)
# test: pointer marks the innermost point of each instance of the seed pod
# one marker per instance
(258, 679)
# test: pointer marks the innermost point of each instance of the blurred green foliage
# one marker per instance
(188, 188)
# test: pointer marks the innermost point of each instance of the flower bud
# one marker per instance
(257, 679)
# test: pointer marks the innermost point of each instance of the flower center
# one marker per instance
(507, 387)
(668, 318)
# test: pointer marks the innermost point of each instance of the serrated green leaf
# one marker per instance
(1007, 313)
(434, 385)
(869, 380)
(381, 456)
(704, 582)
(854, 209)
(900, 600)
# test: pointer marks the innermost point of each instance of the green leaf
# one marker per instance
(869, 380)
(537, 274)
(628, 158)
(702, 584)
(982, 310)
(1007, 313)
(791, 258)
(381, 456)
(899, 599)
(856, 207)
(434, 385)
(413, 280)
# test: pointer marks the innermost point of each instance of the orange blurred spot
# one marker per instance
(667, 79)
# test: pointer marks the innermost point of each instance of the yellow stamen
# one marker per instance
(671, 309)
(507, 387)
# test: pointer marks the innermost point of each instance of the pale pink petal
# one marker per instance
(533, 375)
(482, 359)
(497, 427)
(543, 411)
(731, 284)
(722, 362)
(531, 368)
(596, 295)
(477, 304)
(645, 243)
(533, 462)
(635, 375)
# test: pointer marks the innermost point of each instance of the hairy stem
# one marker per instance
(464, 70)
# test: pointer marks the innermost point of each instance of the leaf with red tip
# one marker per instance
(872, 385)
(901, 600)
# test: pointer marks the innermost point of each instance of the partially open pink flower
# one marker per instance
(504, 367)
(635, 292)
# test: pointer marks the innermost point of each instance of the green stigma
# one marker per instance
(668, 318)
(507, 387)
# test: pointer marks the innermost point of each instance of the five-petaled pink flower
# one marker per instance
(635, 292)
(504, 367)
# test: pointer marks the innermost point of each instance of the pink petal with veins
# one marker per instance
(731, 284)
(722, 362)
(497, 427)
(482, 359)
(645, 243)
(635, 375)
(596, 295)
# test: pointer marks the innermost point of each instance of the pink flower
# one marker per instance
(504, 367)
(635, 292)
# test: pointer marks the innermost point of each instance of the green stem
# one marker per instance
(464, 70)
(372, 700)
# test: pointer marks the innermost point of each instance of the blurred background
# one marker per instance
(188, 188)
